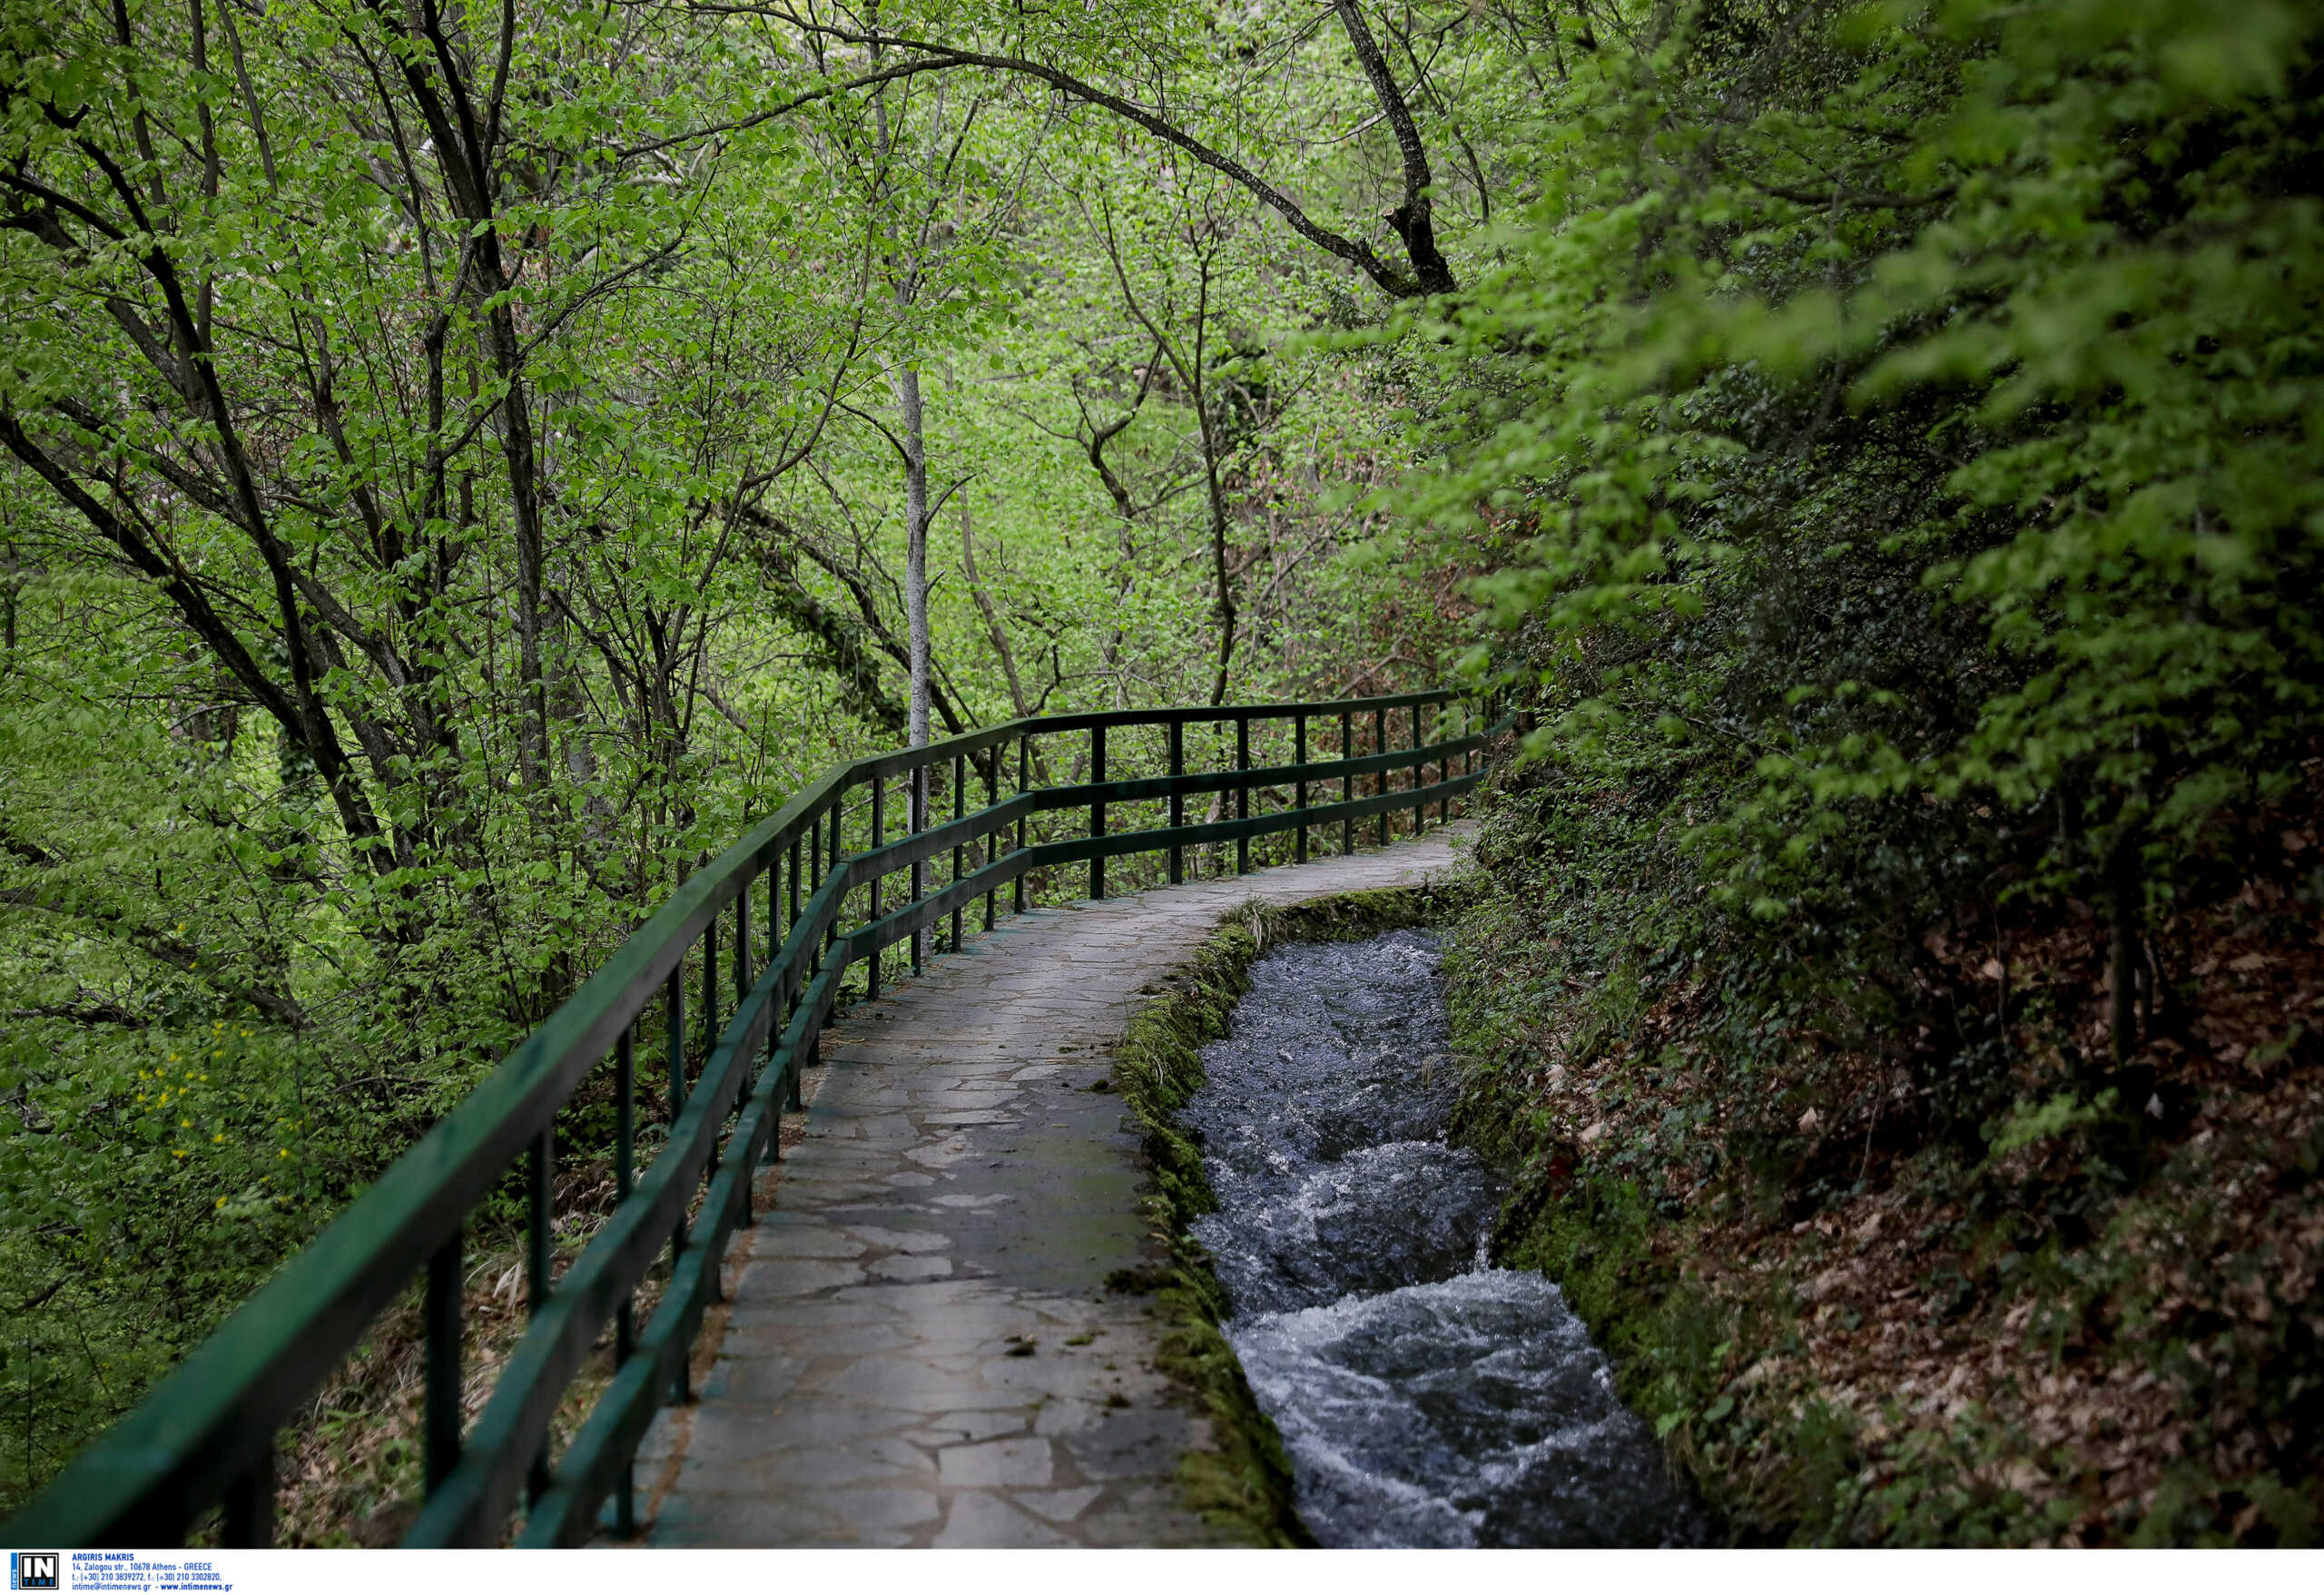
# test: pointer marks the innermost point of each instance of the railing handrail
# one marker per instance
(206, 1435)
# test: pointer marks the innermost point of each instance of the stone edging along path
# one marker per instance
(920, 1346)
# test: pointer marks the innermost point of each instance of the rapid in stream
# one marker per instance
(1427, 1398)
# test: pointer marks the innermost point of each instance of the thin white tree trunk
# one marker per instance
(906, 380)
(915, 440)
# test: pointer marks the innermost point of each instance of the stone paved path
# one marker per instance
(920, 1348)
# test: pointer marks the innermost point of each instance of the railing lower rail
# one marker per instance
(206, 1437)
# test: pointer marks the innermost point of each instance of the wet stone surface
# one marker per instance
(920, 1348)
(1427, 1400)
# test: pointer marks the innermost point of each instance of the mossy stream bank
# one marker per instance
(1430, 1399)
(1245, 1482)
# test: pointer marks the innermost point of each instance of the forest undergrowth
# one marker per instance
(1913, 1258)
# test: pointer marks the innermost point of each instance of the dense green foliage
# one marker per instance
(461, 466)
(1852, 339)
(458, 469)
(1898, 428)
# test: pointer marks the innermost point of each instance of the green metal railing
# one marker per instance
(206, 1439)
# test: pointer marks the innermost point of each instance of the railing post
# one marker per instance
(540, 1169)
(250, 1507)
(1479, 716)
(624, 1171)
(814, 884)
(540, 1193)
(1443, 763)
(1420, 773)
(1407, 773)
(814, 1052)
(919, 866)
(677, 1040)
(778, 1007)
(1347, 784)
(991, 797)
(442, 1313)
(1177, 800)
(625, 1180)
(1419, 767)
(710, 986)
(831, 867)
(743, 944)
(676, 999)
(1098, 811)
(959, 811)
(1379, 781)
(1444, 760)
(1024, 783)
(774, 950)
(1471, 719)
(1242, 793)
(744, 977)
(879, 836)
(1299, 799)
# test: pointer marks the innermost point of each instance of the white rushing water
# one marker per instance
(1427, 1398)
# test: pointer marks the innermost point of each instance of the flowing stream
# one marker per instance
(1427, 1398)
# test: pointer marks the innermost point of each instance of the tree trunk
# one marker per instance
(2128, 891)
(1412, 219)
(1224, 598)
(915, 440)
(524, 500)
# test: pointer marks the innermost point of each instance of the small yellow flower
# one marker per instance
(221, 1201)
(279, 1152)
(179, 1154)
(185, 1123)
(215, 1140)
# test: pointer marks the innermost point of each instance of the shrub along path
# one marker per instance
(922, 1348)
